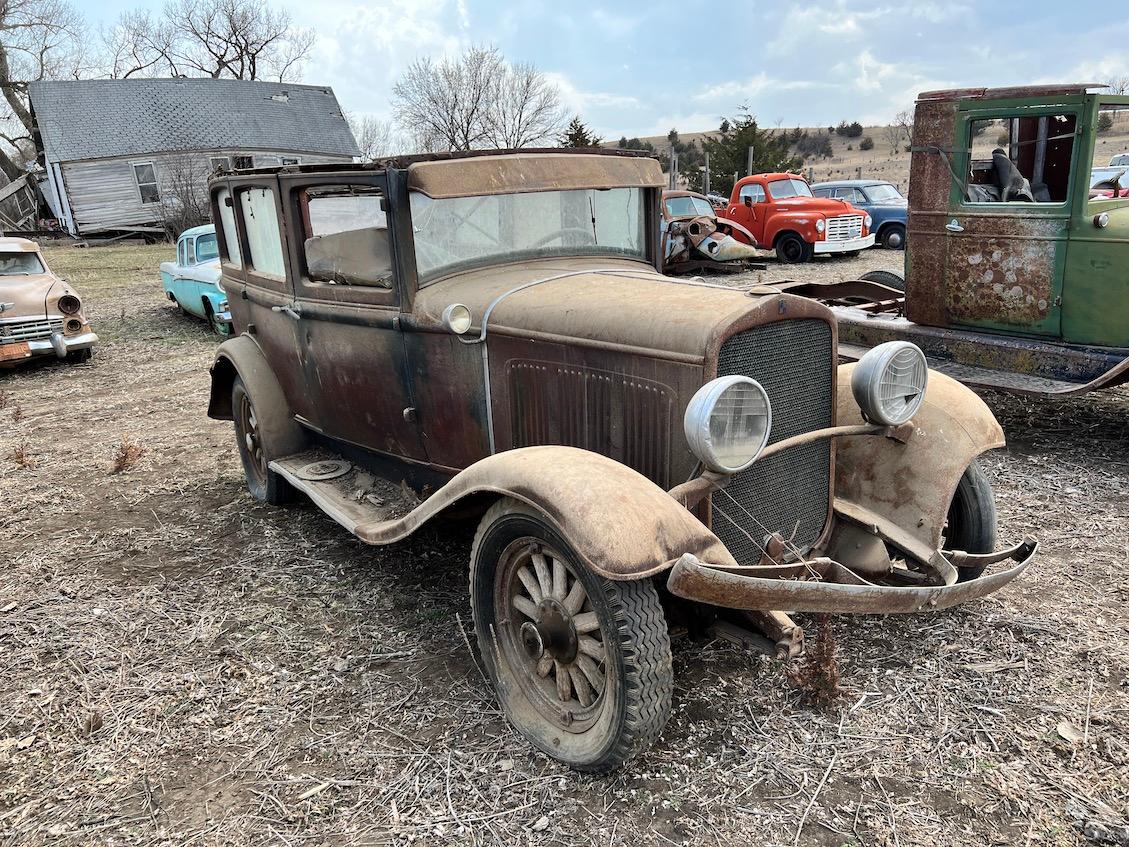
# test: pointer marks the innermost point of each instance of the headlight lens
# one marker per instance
(820, 226)
(889, 382)
(69, 304)
(867, 220)
(457, 318)
(727, 423)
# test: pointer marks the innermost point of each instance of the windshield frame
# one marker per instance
(793, 180)
(649, 214)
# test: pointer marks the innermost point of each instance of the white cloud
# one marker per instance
(581, 102)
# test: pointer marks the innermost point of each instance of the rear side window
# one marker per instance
(260, 220)
(19, 264)
(346, 236)
(227, 224)
(206, 248)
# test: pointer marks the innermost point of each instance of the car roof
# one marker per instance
(11, 244)
(205, 229)
(851, 183)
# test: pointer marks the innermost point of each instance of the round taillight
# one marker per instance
(69, 304)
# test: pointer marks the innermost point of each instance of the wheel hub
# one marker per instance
(556, 631)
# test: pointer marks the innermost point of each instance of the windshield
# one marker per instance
(1123, 159)
(882, 192)
(16, 264)
(782, 189)
(1104, 174)
(207, 248)
(465, 232)
(688, 207)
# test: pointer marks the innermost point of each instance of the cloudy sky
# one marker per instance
(640, 69)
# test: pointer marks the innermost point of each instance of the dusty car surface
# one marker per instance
(695, 238)
(192, 281)
(40, 314)
(493, 331)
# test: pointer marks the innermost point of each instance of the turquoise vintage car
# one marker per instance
(193, 280)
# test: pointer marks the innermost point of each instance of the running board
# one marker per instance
(989, 360)
(346, 492)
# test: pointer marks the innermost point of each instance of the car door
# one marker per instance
(347, 311)
(181, 285)
(1004, 258)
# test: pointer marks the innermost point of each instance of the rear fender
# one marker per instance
(912, 484)
(622, 524)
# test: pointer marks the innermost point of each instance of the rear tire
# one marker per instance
(256, 451)
(894, 237)
(972, 521)
(791, 249)
(887, 278)
(581, 664)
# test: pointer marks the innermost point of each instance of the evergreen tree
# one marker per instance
(576, 134)
(728, 150)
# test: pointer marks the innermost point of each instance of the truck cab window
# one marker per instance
(1020, 159)
(346, 236)
(754, 192)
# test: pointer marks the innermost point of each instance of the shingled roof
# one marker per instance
(107, 118)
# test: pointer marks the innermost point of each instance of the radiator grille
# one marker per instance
(789, 492)
(844, 228)
(28, 329)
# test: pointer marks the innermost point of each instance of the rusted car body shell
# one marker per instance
(31, 322)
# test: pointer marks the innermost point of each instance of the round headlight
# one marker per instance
(1101, 221)
(727, 423)
(456, 318)
(889, 382)
(820, 226)
(868, 221)
(69, 304)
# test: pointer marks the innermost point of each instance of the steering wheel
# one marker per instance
(560, 234)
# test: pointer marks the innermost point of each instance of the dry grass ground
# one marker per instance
(180, 665)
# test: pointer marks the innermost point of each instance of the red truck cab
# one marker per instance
(782, 215)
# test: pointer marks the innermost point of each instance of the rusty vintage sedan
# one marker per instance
(493, 330)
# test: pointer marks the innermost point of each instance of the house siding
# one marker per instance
(103, 194)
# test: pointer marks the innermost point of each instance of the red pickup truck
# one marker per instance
(782, 215)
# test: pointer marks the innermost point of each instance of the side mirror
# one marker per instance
(748, 200)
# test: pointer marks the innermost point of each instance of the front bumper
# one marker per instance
(58, 344)
(823, 585)
(860, 243)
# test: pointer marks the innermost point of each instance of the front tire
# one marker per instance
(791, 249)
(972, 521)
(581, 664)
(894, 237)
(255, 449)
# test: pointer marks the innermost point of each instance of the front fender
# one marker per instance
(622, 524)
(912, 484)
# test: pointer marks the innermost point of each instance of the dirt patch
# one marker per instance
(181, 665)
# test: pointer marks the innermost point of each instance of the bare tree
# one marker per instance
(239, 39)
(900, 131)
(476, 100)
(374, 137)
(1117, 84)
(526, 109)
(39, 39)
(184, 196)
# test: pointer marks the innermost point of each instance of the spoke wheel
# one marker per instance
(256, 448)
(581, 664)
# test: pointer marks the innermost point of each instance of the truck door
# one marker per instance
(1095, 307)
(347, 310)
(750, 210)
(1009, 217)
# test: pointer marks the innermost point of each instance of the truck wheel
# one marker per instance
(971, 522)
(887, 278)
(894, 237)
(255, 449)
(791, 249)
(581, 664)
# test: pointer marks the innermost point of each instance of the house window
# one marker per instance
(346, 239)
(220, 163)
(243, 163)
(290, 160)
(264, 241)
(146, 176)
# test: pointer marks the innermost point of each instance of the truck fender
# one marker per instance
(623, 525)
(912, 484)
(241, 356)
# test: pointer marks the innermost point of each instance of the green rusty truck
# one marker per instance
(1017, 259)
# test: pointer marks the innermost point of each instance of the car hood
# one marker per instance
(26, 296)
(608, 301)
(820, 205)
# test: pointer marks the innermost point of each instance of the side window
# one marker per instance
(180, 260)
(822, 192)
(227, 224)
(146, 176)
(206, 248)
(753, 191)
(189, 251)
(346, 236)
(1020, 159)
(264, 241)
